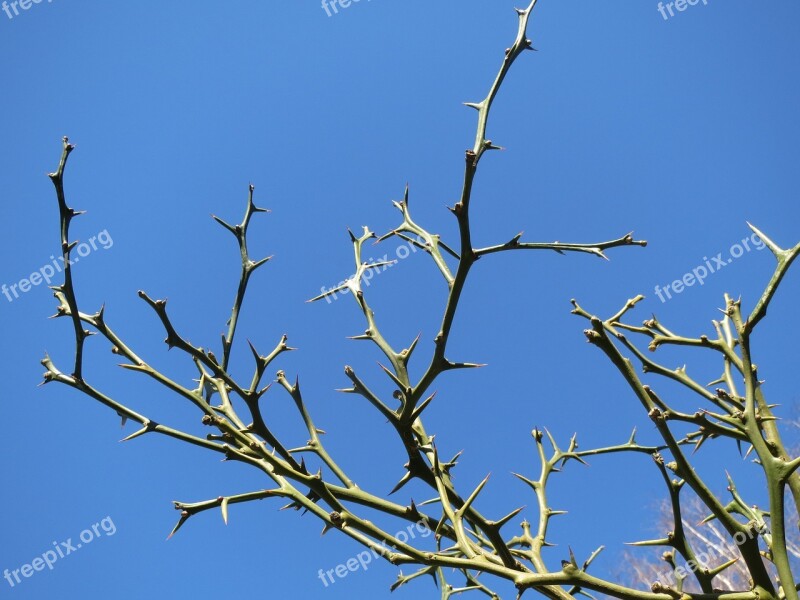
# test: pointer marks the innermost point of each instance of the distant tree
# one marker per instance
(714, 543)
(474, 545)
(714, 547)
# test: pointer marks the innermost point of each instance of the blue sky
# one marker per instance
(681, 129)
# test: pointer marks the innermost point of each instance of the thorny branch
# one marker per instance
(746, 419)
(466, 540)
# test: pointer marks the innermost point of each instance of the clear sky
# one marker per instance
(680, 128)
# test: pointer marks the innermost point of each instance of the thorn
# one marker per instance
(224, 509)
(501, 522)
(146, 429)
(421, 407)
(230, 228)
(403, 480)
(184, 517)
